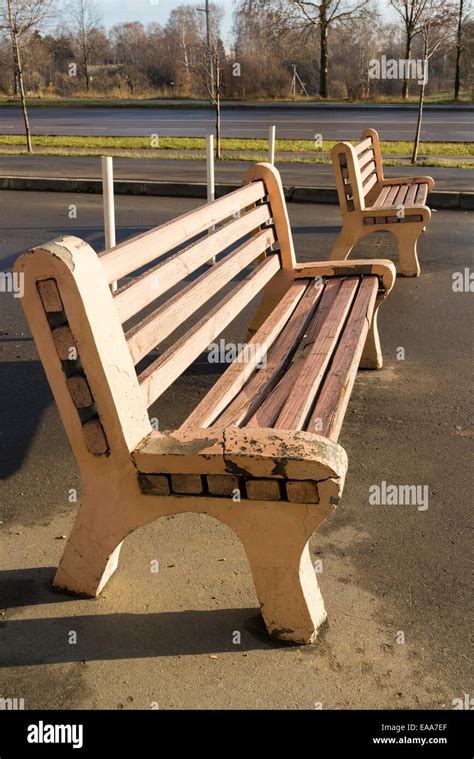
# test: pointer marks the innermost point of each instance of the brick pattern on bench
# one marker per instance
(370, 203)
(68, 354)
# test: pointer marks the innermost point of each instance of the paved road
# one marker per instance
(230, 172)
(385, 568)
(331, 123)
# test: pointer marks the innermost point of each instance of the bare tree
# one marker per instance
(21, 19)
(86, 19)
(463, 17)
(412, 13)
(321, 15)
(435, 27)
(212, 66)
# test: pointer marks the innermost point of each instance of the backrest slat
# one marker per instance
(143, 290)
(358, 170)
(157, 377)
(152, 330)
(141, 250)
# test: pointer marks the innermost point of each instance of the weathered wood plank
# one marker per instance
(370, 182)
(142, 249)
(268, 411)
(294, 413)
(401, 195)
(331, 405)
(392, 194)
(361, 147)
(263, 490)
(380, 200)
(144, 289)
(302, 491)
(234, 378)
(255, 392)
(157, 377)
(411, 195)
(421, 194)
(80, 392)
(152, 330)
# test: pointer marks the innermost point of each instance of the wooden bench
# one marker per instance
(371, 203)
(260, 451)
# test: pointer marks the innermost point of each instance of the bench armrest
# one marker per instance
(410, 180)
(382, 268)
(423, 211)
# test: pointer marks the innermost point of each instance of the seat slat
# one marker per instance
(236, 375)
(363, 146)
(401, 195)
(141, 250)
(381, 199)
(255, 392)
(411, 194)
(295, 412)
(143, 290)
(157, 377)
(392, 194)
(422, 194)
(266, 414)
(152, 330)
(331, 405)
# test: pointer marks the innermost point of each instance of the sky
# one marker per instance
(148, 11)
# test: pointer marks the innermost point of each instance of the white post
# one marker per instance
(109, 206)
(271, 145)
(211, 193)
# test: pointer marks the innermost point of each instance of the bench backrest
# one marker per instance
(358, 170)
(94, 359)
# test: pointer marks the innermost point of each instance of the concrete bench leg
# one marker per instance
(406, 247)
(92, 551)
(285, 580)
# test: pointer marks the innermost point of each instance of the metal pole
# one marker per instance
(271, 145)
(109, 206)
(211, 194)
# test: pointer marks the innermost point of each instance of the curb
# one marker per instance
(445, 199)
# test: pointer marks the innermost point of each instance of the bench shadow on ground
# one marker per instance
(25, 642)
(25, 396)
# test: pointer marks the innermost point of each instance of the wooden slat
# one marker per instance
(363, 146)
(422, 194)
(369, 183)
(411, 194)
(266, 414)
(366, 158)
(139, 251)
(380, 200)
(152, 330)
(234, 378)
(294, 413)
(367, 171)
(401, 195)
(157, 377)
(255, 392)
(331, 406)
(49, 295)
(392, 194)
(144, 289)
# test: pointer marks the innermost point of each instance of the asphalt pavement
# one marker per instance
(168, 637)
(442, 124)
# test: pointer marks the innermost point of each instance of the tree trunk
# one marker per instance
(407, 58)
(323, 62)
(18, 66)
(418, 125)
(457, 75)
